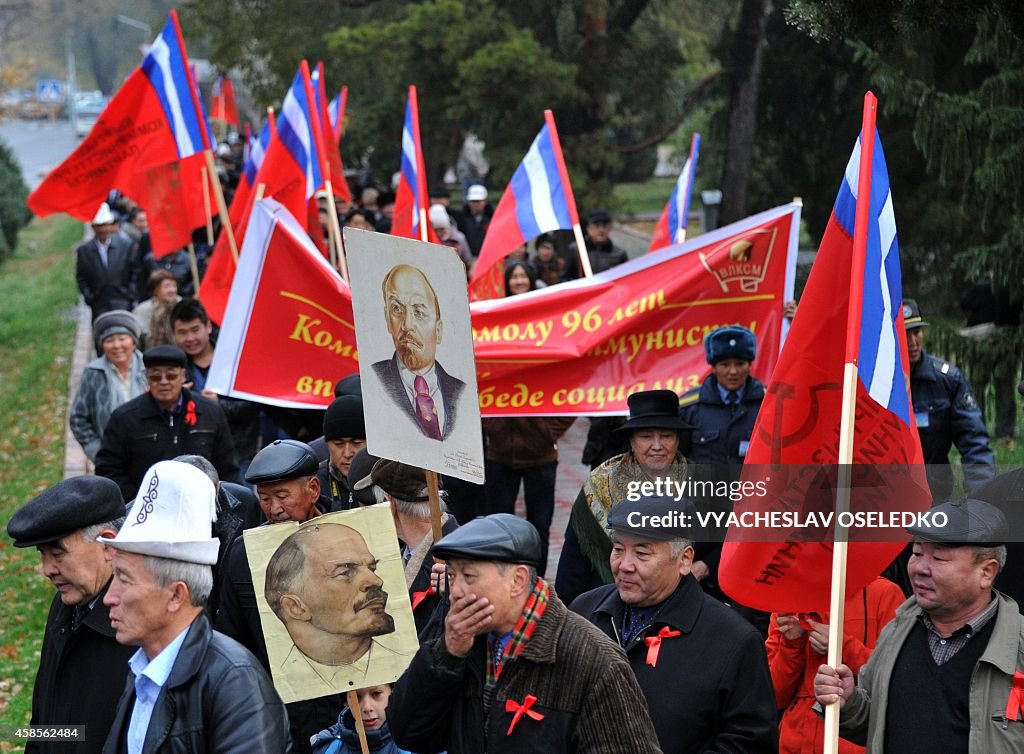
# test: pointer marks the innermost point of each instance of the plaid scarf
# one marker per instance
(534, 609)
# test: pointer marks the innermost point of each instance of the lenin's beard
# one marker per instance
(410, 351)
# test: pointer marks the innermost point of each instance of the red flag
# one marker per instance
(223, 106)
(289, 294)
(411, 197)
(169, 193)
(799, 422)
(154, 120)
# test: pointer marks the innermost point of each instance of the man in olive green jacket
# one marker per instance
(947, 673)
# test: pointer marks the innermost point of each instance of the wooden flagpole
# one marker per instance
(222, 209)
(846, 426)
(195, 267)
(206, 205)
(334, 231)
(353, 706)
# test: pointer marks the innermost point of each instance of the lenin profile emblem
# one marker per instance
(742, 260)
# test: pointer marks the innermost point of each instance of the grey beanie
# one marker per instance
(114, 322)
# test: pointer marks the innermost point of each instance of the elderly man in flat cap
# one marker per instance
(284, 474)
(515, 671)
(947, 673)
(702, 668)
(168, 421)
(405, 489)
(81, 666)
(191, 688)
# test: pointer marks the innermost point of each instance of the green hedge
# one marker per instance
(14, 215)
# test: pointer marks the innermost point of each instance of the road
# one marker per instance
(39, 145)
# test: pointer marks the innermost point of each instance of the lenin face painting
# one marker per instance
(322, 585)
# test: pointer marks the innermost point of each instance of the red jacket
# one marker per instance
(793, 664)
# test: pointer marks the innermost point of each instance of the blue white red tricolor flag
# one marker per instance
(410, 217)
(538, 199)
(336, 111)
(291, 173)
(671, 228)
(257, 148)
(332, 149)
(153, 122)
(799, 422)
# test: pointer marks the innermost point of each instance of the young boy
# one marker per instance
(343, 738)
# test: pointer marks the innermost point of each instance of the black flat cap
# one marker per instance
(280, 461)
(359, 477)
(599, 216)
(500, 537)
(653, 409)
(656, 518)
(65, 508)
(401, 481)
(165, 356)
(966, 522)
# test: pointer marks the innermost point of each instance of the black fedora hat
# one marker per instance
(653, 409)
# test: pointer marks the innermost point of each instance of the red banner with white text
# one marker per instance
(579, 348)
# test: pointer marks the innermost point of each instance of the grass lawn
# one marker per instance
(37, 293)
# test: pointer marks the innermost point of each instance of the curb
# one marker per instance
(76, 463)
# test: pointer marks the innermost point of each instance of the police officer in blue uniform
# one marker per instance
(723, 409)
(946, 414)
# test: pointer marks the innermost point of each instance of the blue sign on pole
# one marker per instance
(48, 90)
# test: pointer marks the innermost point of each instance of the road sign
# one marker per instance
(49, 90)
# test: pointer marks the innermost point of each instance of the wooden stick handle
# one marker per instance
(353, 706)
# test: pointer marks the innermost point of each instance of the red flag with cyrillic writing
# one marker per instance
(574, 349)
(147, 137)
(799, 422)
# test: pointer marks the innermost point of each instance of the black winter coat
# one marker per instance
(586, 693)
(710, 689)
(217, 699)
(138, 435)
(79, 678)
(110, 286)
(720, 432)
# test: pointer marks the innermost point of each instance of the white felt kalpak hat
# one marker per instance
(171, 516)
(104, 216)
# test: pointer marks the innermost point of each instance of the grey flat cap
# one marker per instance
(967, 522)
(500, 537)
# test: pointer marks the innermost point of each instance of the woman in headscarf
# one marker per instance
(108, 381)
(653, 429)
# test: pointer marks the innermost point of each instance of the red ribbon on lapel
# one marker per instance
(190, 413)
(1016, 700)
(418, 597)
(653, 644)
(521, 709)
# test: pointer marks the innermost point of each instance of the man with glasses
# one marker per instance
(162, 424)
